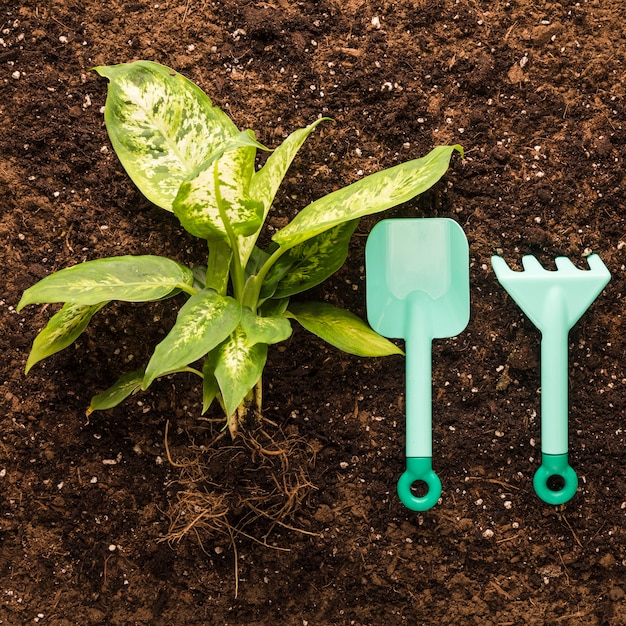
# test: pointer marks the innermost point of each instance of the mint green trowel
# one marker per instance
(418, 290)
(554, 301)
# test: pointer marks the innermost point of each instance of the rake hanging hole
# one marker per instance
(419, 488)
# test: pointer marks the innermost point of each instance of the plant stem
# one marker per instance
(187, 289)
(253, 287)
(191, 370)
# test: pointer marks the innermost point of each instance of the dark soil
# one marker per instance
(534, 91)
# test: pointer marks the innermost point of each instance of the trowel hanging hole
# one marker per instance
(555, 482)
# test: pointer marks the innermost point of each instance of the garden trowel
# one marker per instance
(418, 290)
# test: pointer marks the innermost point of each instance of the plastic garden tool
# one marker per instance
(554, 301)
(418, 290)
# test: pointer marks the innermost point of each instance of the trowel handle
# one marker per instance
(555, 482)
(419, 437)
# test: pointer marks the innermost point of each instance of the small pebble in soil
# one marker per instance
(488, 534)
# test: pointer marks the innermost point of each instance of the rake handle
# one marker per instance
(554, 405)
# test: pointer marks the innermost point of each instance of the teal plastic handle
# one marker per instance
(555, 466)
(554, 405)
(419, 438)
(554, 375)
(419, 469)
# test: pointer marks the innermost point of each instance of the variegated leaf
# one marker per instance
(267, 180)
(126, 385)
(315, 260)
(129, 278)
(372, 194)
(161, 125)
(239, 365)
(269, 330)
(219, 191)
(61, 331)
(202, 323)
(341, 329)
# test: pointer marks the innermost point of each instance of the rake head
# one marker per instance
(535, 288)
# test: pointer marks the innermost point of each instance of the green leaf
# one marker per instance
(61, 331)
(161, 125)
(218, 191)
(202, 323)
(129, 278)
(238, 367)
(372, 194)
(126, 385)
(257, 258)
(267, 180)
(199, 276)
(218, 267)
(341, 329)
(269, 330)
(274, 308)
(210, 388)
(315, 260)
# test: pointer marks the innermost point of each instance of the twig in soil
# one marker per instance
(185, 12)
(570, 616)
(499, 589)
(597, 531)
(564, 568)
(571, 530)
(494, 481)
(60, 23)
(236, 563)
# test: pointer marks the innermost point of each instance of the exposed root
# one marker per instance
(248, 487)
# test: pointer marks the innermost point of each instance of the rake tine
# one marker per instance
(530, 264)
(563, 264)
(596, 264)
(500, 266)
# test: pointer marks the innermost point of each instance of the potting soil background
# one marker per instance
(534, 91)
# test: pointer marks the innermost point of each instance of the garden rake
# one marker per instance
(554, 301)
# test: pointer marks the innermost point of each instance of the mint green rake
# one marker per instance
(554, 301)
(418, 290)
